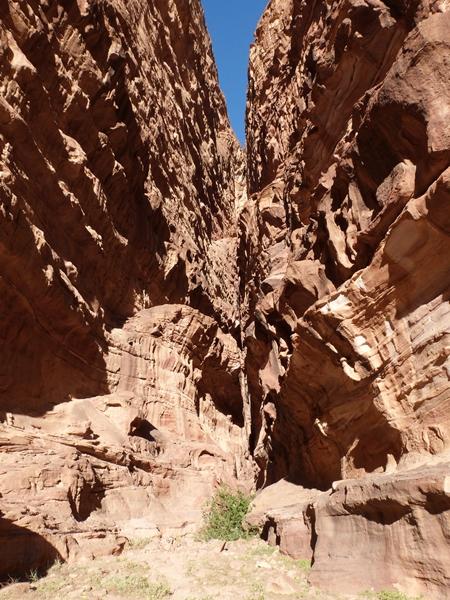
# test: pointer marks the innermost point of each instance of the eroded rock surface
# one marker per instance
(348, 213)
(122, 400)
(345, 269)
(117, 184)
(173, 315)
(384, 531)
(140, 461)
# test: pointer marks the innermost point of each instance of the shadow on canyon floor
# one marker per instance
(23, 553)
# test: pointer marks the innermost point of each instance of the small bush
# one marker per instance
(224, 516)
(257, 592)
(304, 564)
(139, 543)
(33, 576)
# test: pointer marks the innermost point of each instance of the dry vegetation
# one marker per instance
(183, 569)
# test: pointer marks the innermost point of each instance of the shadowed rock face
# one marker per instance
(345, 283)
(346, 255)
(122, 401)
(117, 184)
(27, 552)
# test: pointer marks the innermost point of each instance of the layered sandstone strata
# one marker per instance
(344, 259)
(138, 462)
(119, 181)
(149, 340)
(384, 531)
(351, 321)
(117, 184)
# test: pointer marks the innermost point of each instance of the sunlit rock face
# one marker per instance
(380, 532)
(122, 401)
(344, 265)
(348, 156)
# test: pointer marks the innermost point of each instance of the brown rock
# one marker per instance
(380, 532)
(345, 242)
(386, 532)
(117, 186)
(122, 402)
(283, 512)
(166, 322)
(348, 343)
(140, 461)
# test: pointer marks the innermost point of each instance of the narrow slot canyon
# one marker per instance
(179, 312)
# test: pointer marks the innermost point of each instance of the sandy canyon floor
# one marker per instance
(183, 569)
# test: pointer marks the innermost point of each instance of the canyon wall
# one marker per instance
(117, 183)
(175, 315)
(345, 284)
(122, 401)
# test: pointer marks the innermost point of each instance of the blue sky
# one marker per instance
(231, 24)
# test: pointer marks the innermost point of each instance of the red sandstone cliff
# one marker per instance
(346, 280)
(121, 394)
(117, 185)
(160, 331)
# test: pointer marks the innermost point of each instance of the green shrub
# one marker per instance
(139, 543)
(390, 595)
(304, 564)
(224, 516)
(33, 576)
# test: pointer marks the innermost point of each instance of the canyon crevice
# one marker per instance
(178, 312)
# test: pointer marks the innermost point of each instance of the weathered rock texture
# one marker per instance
(118, 184)
(345, 273)
(160, 321)
(384, 531)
